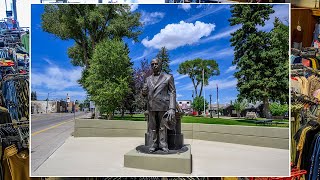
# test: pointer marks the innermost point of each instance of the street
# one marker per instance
(49, 132)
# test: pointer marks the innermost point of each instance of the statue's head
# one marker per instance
(156, 66)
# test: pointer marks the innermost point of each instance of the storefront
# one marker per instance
(305, 88)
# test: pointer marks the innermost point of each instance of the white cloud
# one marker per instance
(230, 77)
(207, 10)
(185, 7)
(178, 76)
(134, 7)
(210, 53)
(179, 95)
(146, 54)
(227, 52)
(231, 69)
(220, 35)
(56, 78)
(222, 84)
(151, 18)
(176, 35)
(48, 61)
(181, 77)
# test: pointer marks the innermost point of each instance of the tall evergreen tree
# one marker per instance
(163, 56)
(278, 54)
(253, 52)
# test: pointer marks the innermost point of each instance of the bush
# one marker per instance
(277, 109)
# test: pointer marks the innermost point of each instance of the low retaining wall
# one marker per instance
(248, 135)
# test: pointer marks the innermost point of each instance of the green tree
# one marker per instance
(278, 109)
(198, 104)
(239, 106)
(108, 76)
(81, 106)
(87, 25)
(254, 67)
(33, 95)
(163, 56)
(194, 69)
(277, 56)
(86, 102)
(139, 76)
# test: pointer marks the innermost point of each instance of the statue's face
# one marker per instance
(155, 66)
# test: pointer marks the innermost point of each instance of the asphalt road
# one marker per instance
(43, 121)
(48, 133)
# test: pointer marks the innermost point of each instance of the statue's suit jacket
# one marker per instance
(161, 94)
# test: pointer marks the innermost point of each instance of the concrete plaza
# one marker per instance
(104, 156)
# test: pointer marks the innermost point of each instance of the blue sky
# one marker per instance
(188, 31)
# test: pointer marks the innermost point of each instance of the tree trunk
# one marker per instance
(86, 61)
(266, 108)
(199, 113)
(122, 113)
(96, 113)
(110, 116)
(195, 87)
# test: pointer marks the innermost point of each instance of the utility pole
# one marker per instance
(210, 107)
(218, 99)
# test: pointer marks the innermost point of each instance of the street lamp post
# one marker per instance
(210, 107)
(47, 104)
(74, 109)
(218, 99)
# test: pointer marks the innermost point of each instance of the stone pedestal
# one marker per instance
(178, 162)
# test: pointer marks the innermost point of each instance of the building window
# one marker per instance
(187, 102)
(180, 102)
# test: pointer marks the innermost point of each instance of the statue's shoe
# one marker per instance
(152, 149)
(165, 150)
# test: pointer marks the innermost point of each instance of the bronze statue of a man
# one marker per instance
(161, 93)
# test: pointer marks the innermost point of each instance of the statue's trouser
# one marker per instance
(155, 123)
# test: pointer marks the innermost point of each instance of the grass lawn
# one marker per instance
(207, 120)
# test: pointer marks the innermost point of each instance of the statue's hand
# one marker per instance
(171, 114)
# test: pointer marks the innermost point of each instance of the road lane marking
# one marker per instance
(57, 125)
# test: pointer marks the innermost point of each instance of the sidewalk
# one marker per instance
(102, 156)
(48, 141)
